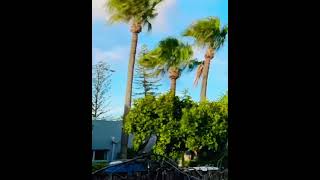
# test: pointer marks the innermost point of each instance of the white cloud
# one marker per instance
(219, 61)
(98, 11)
(116, 111)
(160, 23)
(200, 52)
(118, 53)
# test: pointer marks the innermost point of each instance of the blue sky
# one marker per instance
(111, 43)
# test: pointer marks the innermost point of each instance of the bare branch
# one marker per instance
(101, 86)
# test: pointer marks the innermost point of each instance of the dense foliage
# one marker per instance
(161, 116)
(179, 123)
(98, 165)
(205, 124)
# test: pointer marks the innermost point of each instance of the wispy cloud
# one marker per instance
(116, 111)
(200, 52)
(118, 53)
(98, 11)
(219, 61)
(161, 22)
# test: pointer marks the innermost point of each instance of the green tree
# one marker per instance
(137, 13)
(180, 124)
(204, 126)
(207, 33)
(161, 116)
(172, 57)
(144, 83)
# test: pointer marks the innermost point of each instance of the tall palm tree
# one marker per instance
(207, 33)
(172, 57)
(137, 13)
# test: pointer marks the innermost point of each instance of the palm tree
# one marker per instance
(172, 57)
(207, 33)
(137, 13)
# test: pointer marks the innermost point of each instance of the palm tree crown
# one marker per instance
(208, 33)
(136, 12)
(170, 54)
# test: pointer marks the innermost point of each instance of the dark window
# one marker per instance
(100, 155)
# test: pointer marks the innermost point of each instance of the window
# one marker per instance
(99, 155)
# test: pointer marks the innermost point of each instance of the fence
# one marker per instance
(167, 174)
(145, 168)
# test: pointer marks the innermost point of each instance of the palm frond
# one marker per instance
(148, 24)
(138, 11)
(198, 73)
(193, 64)
(158, 72)
(207, 32)
(170, 53)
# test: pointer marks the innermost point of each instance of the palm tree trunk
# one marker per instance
(174, 74)
(203, 94)
(127, 105)
(173, 86)
(208, 56)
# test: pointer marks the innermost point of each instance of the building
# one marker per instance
(106, 140)
(106, 136)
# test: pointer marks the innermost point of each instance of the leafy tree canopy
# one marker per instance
(179, 123)
(205, 125)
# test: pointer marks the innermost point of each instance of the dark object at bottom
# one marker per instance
(143, 168)
(128, 168)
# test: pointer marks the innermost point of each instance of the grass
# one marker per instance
(98, 165)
